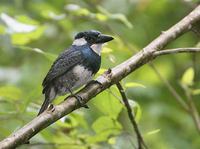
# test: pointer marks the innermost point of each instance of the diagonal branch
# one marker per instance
(192, 108)
(178, 98)
(177, 50)
(140, 139)
(118, 73)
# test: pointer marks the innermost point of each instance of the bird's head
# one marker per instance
(92, 38)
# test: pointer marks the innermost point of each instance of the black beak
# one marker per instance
(104, 38)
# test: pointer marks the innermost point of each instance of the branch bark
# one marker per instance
(107, 79)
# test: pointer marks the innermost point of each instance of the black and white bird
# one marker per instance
(75, 66)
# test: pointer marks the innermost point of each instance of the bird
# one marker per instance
(74, 67)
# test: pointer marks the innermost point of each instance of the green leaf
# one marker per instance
(73, 120)
(153, 132)
(196, 91)
(27, 20)
(25, 38)
(77, 10)
(188, 76)
(67, 122)
(123, 19)
(98, 137)
(134, 84)
(107, 104)
(105, 123)
(107, 50)
(101, 17)
(83, 12)
(112, 140)
(49, 56)
(136, 109)
(10, 92)
(118, 16)
(104, 127)
(2, 29)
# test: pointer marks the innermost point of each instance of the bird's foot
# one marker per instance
(109, 72)
(51, 108)
(80, 101)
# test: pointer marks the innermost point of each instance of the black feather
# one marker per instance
(45, 104)
(62, 64)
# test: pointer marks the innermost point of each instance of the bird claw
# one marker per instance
(93, 82)
(108, 73)
(51, 108)
(80, 101)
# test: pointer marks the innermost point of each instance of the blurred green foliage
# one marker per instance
(34, 32)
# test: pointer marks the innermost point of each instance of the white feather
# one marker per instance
(97, 48)
(79, 42)
(83, 74)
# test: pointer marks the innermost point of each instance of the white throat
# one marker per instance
(97, 48)
(79, 42)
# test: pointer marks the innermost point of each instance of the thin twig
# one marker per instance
(178, 98)
(177, 50)
(192, 108)
(140, 139)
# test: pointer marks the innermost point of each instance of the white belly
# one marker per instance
(83, 75)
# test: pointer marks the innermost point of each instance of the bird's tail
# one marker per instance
(44, 105)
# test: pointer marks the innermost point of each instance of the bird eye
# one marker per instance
(89, 39)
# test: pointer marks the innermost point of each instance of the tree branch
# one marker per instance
(140, 139)
(177, 50)
(107, 79)
(188, 106)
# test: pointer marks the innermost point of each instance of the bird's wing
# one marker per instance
(62, 64)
